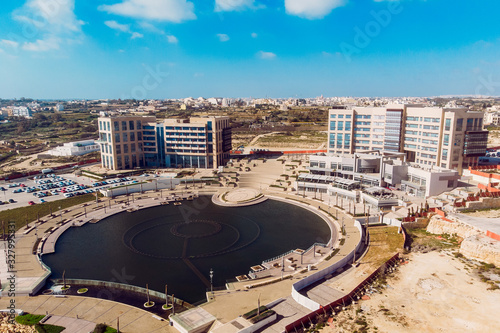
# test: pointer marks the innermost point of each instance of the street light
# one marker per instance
(211, 282)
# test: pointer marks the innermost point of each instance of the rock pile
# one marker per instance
(6, 327)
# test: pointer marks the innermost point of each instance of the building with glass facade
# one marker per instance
(450, 138)
(129, 142)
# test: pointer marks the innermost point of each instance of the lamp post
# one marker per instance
(211, 282)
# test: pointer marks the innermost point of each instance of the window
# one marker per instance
(348, 116)
(347, 125)
(125, 137)
(333, 116)
(460, 124)
(139, 136)
(470, 124)
(447, 124)
(332, 125)
(118, 149)
(339, 140)
(117, 137)
(132, 136)
(109, 125)
(340, 126)
(347, 141)
(132, 147)
(446, 139)
(116, 125)
(445, 154)
(124, 125)
(341, 116)
(125, 149)
(131, 125)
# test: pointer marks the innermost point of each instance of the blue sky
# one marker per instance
(248, 48)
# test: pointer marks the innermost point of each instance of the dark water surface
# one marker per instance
(168, 244)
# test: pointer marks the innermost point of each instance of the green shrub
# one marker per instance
(253, 313)
(262, 316)
(29, 319)
(49, 328)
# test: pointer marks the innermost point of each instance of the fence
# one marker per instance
(341, 301)
(33, 173)
(296, 287)
(121, 286)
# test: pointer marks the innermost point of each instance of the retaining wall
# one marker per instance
(296, 287)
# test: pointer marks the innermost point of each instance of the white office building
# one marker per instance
(77, 148)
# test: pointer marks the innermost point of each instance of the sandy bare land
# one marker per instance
(434, 292)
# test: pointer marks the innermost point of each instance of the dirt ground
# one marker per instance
(433, 292)
(492, 213)
(494, 138)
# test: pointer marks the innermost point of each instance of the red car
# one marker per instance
(31, 203)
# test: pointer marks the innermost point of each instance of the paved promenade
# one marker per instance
(227, 304)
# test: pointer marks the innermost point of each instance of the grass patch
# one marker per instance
(23, 215)
(49, 328)
(421, 240)
(29, 319)
(330, 256)
(103, 328)
(384, 243)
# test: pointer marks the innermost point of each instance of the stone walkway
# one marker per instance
(228, 304)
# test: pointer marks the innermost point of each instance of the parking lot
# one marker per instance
(50, 187)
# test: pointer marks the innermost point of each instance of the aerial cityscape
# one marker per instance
(236, 166)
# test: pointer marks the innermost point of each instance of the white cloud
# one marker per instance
(223, 37)
(117, 26)
(9, 43)
(266, 55)
(53, 21)
(160, 10)
(148, 26)
(312, 9)
(42, 45)
(136, 35)
(172, 39)
(233, 5)
(254, 35)
(123, 28)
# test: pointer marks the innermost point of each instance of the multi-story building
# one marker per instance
(129, 142)
(197, 142)
(446, 137)
(77, 148)
(344, 175)
(126, 141)
(20, 111)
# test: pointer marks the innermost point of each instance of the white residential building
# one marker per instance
(75, 148)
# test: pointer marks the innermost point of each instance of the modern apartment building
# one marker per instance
(129, 142)
(450, 138)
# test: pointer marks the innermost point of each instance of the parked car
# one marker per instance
(31, 203)
(12, 200)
